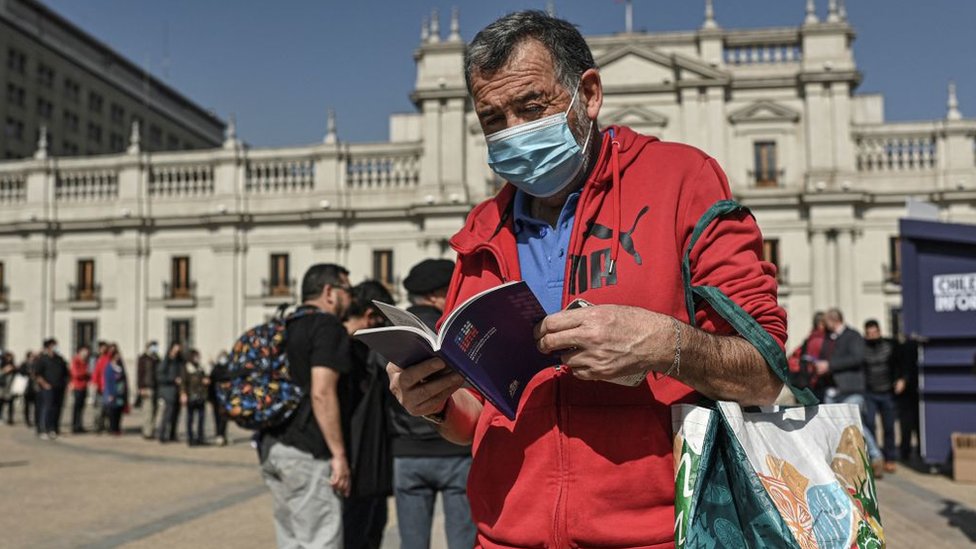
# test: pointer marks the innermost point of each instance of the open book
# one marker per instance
(487, 339)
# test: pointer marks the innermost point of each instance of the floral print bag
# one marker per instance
(774, 477)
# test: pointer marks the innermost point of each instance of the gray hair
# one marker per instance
(494, 45)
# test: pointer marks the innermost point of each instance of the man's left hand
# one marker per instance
(608, 341)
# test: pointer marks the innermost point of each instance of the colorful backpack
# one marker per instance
(257, 391)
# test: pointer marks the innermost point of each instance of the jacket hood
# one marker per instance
(487, 219)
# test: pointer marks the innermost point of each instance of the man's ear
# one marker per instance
(592, 88)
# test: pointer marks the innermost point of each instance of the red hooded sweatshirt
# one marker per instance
(589, 463)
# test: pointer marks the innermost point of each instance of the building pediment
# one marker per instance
(636, 117)
(639, 64)
(764, 111)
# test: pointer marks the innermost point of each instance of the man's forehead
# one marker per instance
(529, 66)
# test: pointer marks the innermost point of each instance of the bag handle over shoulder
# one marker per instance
(740, 320)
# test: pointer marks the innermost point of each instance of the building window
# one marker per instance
(896, 321)
(68, 148)
(44, 108)
(16, 61)
(14, 129)
(117, 114)
(172, 143)
(70, 121)
(893, 270)
(771, 255)
(155, 136)
(45, 76)
(94, 133)
(85, 332)
(116, 142)
(15, 95)
(278, 282)
(3, 285)
(85, 288)
(383, 267)
(3, 334)
(72, 90)
(765, 172)
(95, 102)
(181, 331)
(180, 286)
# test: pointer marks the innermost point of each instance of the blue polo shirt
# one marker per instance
(543, 250)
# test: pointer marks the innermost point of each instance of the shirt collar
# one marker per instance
(523, 215)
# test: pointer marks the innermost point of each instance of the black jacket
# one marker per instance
(845, 353)
(415, 436)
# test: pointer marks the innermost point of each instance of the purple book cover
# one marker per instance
(487, 339)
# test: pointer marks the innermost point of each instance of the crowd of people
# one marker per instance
(878, 374)
(43, 381)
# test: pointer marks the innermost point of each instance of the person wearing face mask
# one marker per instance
(146, 381)
(602, 214)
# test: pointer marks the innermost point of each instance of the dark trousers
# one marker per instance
(416, 482)
(10, 409)
(169, 417)
(78, 410)
(32, 411)
(194, 417)
(51, 402)
(101, 413)
(114, 416)
(908, 421)
(883, 403)
(363, 522)
(220, 420)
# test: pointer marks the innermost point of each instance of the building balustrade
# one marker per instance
(178, 184)
(767, 179)
(282, 288)
(897, 152)
(12, 188)
(766, 54)
(86, 185)
(180, 292)
(85, 293)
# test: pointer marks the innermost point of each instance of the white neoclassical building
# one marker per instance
(198, 245)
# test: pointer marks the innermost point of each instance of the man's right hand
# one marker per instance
(341, 479)
(423, 389)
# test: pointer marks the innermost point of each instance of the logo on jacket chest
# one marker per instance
(592, 270)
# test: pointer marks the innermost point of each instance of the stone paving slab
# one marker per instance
(101, 491)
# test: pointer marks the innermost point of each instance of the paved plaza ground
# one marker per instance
(103, 491)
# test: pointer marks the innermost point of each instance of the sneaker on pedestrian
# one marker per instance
(43, 436)
(220, 441)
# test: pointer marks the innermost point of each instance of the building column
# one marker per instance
(819, 261)
(846, 284)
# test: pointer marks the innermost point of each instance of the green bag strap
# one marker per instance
(740, 320)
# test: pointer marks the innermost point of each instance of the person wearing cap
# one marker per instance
(424, 463)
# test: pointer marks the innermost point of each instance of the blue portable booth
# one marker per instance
(939, 308)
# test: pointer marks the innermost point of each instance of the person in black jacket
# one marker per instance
(168, 389)
(424, 463)
(364, 512)
(843, 357)
(884, 380)
(52, 376)
(218, 371)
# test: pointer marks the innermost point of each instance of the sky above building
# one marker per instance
(278, 66)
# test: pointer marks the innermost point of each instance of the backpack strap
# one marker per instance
(739, 319)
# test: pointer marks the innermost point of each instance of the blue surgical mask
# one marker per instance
(540, 157)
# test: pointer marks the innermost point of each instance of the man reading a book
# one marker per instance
(602, 214)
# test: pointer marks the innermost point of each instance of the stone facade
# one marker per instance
(86, 96)
(190, 244)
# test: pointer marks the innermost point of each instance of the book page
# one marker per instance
(401, 345)
(467, 302)
(399, 317)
